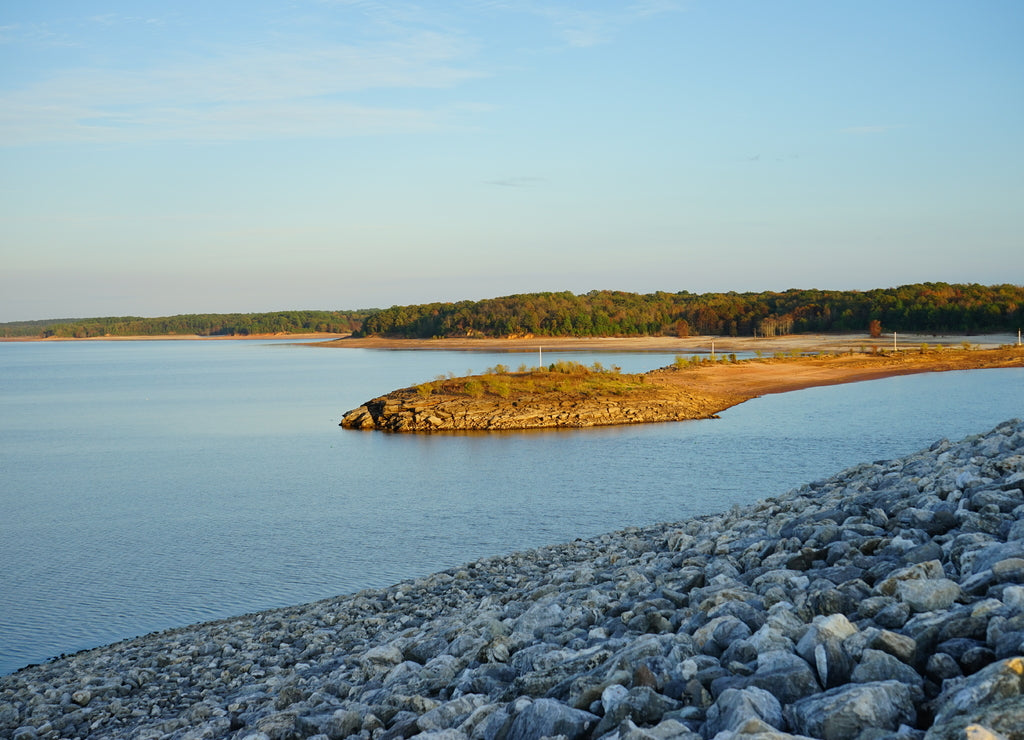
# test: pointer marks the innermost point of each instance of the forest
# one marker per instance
(922, 307)
(204, 325)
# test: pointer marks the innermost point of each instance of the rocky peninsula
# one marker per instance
(884, 602)
(570, 395)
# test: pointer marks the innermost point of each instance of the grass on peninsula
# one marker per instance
(566, 378)
(558, 378)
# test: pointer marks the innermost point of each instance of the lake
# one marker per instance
(148, 485)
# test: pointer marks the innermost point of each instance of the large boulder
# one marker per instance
(991, 699)
(547, 718)
(785, 675)
(735, 707)
(844, 712)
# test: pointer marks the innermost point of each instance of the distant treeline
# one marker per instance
(925, 307)
(206, 325)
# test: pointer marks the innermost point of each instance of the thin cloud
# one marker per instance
(516, 182)
(869, 129)
(240, 94)
(289, 86)
(116, 19)
(230, 122)
(38, 34)
(584, 28)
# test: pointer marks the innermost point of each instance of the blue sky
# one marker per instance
(187, 157)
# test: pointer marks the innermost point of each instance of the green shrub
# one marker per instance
(568, 367)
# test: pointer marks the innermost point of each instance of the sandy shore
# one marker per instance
(688, 345)
(175, 337)
(756, 378)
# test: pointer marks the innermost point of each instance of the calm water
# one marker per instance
(145, 485)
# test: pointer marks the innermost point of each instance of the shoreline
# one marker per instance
(662, 344)
(176, 337)
(685, 345)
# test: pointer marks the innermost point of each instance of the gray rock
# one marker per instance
(901, 646)
(640, 704)
(451, 713)
(822, 647)
(785, 675)
(735, 707)
(279, 726)
(1009, 570)
(892, 616)
(844, 712)
(941, 667)
(494, 725)
(929, 570)
(381, 659)
(875, 666)
(999, 682)
(344, 722)
(670, 729)
(547, 717)
(928, 595)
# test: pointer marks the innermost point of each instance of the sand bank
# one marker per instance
(687, 345)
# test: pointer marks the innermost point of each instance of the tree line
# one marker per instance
(923, 307)
(205, 325)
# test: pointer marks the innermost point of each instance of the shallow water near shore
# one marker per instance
(153, 484)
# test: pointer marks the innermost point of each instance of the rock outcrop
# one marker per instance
(408, 410)
(885, 602)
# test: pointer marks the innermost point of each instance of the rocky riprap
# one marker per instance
(885, 602)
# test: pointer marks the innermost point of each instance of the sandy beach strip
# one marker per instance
(687, 345)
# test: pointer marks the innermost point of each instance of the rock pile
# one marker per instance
(885, 602)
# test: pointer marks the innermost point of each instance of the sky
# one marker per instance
(159, 158)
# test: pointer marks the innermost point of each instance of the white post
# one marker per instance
(712, 349)
(540, 357)
(894, 341)
(1018, 337)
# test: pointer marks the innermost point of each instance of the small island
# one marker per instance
(568, 395)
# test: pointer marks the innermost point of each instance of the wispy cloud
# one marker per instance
(870, 129)
(241, 94)
(40, 34)
(516, 182)
(580, 26)
(116, 19)
(287, 84)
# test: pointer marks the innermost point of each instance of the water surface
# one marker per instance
(147, 485)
